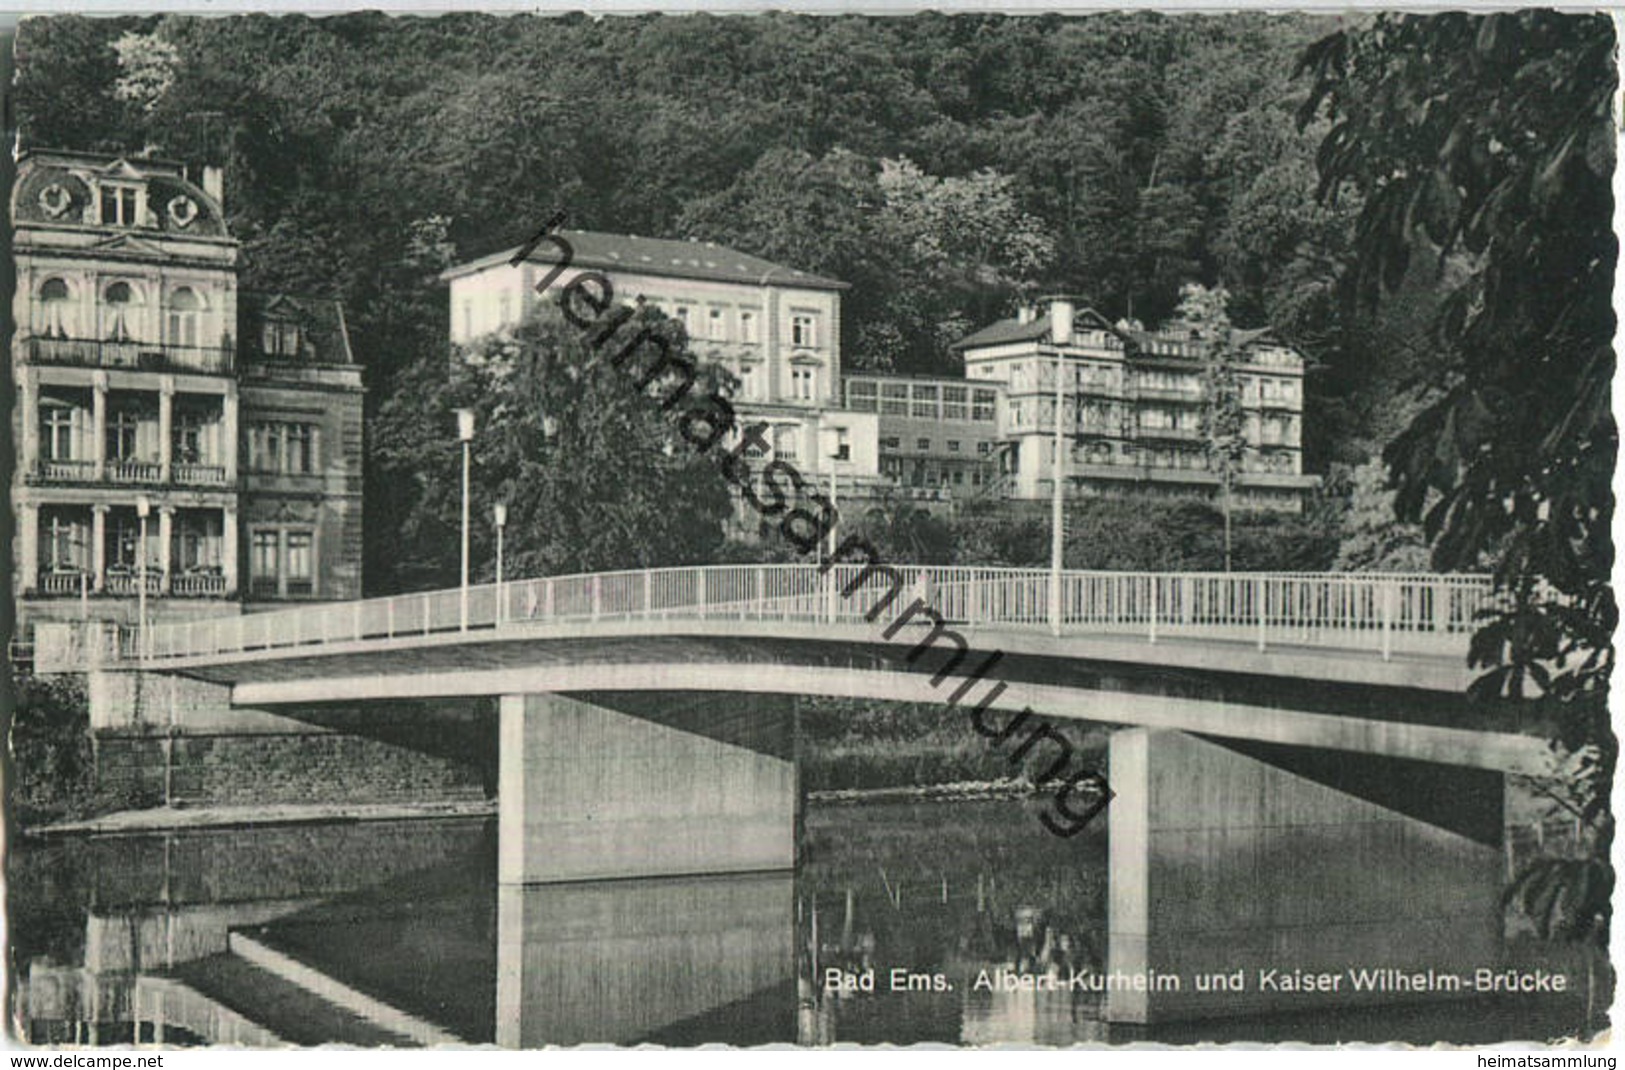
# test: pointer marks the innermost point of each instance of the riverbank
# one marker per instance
(167, 819)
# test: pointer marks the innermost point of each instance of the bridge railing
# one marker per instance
(1379, 613)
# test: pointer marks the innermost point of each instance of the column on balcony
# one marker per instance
(28, 534)
(98, 428)
(166, 535)
(229, 442)
(228, 548)
(166, 426)
(28, 397)
(98, 546)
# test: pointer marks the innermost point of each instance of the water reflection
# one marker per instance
(397, 934)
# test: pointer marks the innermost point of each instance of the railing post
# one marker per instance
(1152, 638)
(648, 594)
(761, 593)
(1260, 606)
(1387, 621)
(829, 595)
(699, 591)
(1441, 607)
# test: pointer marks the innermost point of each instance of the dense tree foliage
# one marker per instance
(942, 165)
(1485, 142)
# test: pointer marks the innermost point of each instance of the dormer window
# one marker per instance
(279, 338)
(119, 205)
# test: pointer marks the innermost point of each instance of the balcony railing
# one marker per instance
(53, 471)
(59, 583)
(197, 474)
(198, 585)
(140, 356)
(130, 582)
(134, 472)
(56, 584)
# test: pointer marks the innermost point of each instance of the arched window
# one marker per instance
(184, 316)
(56, 309)
(117, 311)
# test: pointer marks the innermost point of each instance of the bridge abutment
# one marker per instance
(1227, 867)
(590, 793)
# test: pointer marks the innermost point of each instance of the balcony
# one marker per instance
(138, 356)
(64, 583)
(1156, 393)
(198, 585)
(129, 583)
(134, 472)
(65, 471)
(1169, 434)
(196, 474)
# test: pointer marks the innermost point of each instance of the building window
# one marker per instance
(503, 303)
(279, 338)
(894, 399)
(123, 434)
(119, 298)
(953, 445)
(747, 326)
(891, 442)
(955, 403)
(56, 309)
(983, 404)
(861, 396)
(287, 448)
(922, 443)
(118, 205)
(59, 425)
(843, 444)
(184, 308)
(924, 403)
(784, 443)
(186, 442)
(123, 535)
(716, 325)
(282, 562)
(805, 383)
(803, 331)
(64, 543)
(681, 315)
(983, 449)
(263, 562)
(301, 562)
(195, 546)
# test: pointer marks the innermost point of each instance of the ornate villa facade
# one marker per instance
(153, 396)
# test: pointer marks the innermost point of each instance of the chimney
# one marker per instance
(214, 184)
(1024, 314)
(1060, 321)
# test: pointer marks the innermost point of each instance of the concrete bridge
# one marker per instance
(1299, 783)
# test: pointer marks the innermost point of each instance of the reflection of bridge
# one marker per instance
(1302, 785)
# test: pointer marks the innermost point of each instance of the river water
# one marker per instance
(397, 933)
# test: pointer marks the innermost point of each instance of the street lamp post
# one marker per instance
(499, 514)
(465, 434)
(831, 450)
(1060, 313)
(143, 509)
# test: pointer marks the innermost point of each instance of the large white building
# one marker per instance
(776, 328)
(1132, 408)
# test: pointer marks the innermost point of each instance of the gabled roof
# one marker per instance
(657, 256)
(1010, 330)
(324, 338)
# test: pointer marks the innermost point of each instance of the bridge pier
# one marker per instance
(1227, 865)
(591, 793)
